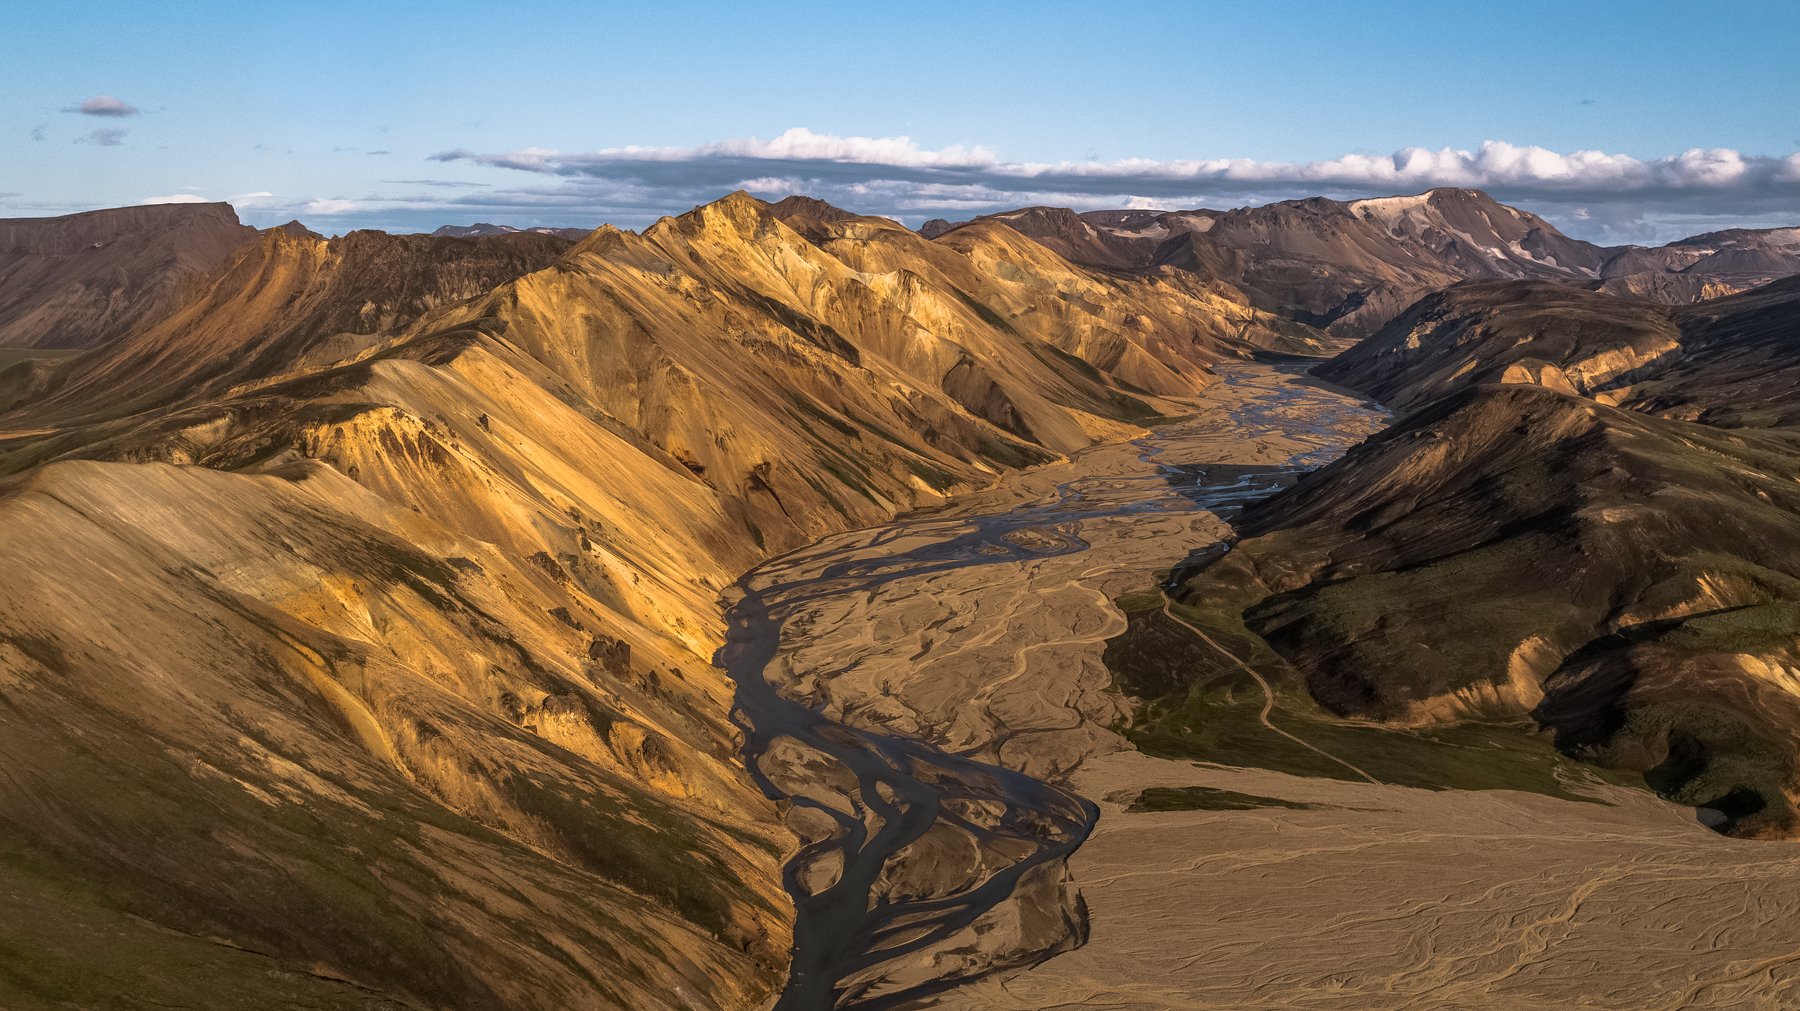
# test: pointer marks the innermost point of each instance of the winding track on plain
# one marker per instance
(1268, 691)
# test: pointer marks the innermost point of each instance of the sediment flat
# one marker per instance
(1391, 897)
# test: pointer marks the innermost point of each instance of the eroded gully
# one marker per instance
(887, 791)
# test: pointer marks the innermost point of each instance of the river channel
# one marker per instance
(889, 789)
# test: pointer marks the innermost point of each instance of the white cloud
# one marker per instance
(801, 154)
(770, 184)
(797, 144)
(1593, 194)
(801, 144)
(175, 198)
(1624, 197)
(104, 105)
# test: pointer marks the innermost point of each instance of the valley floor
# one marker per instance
(1229, 887)
(1390, 897)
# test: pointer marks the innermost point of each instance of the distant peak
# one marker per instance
(1440, 198)
(1039, 211)
(1387, 207)
(736, 211)
(737, 200)
(176, 225)
(599, 241)
(297, 230)
(470, 231)
(799, 206)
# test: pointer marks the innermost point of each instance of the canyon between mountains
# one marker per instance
(1379, 604)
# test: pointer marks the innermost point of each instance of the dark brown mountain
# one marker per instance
(1739, 365)
(1727, 361)
(798, 206)
(1344, 266)
(1074, 237)
(1703, 266)
(1556, 335)
(482, 229)
(83, 280)
(1350, 266)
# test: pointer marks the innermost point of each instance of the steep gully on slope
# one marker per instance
(896, 788)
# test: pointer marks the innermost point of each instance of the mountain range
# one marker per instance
(384, 571)
(431, 532)
(1348, 267)
(482, 229)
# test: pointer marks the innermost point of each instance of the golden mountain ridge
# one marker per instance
(399, 574)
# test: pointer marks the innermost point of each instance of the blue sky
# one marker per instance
(1620, 121)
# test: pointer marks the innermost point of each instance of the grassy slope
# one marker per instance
(1201, 707)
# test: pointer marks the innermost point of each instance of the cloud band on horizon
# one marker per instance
(1616, 196)
(1608, 198)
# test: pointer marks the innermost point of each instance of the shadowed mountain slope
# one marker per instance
(1553, 335)
(1725, 361)
(1739, 363)
(286, 298)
